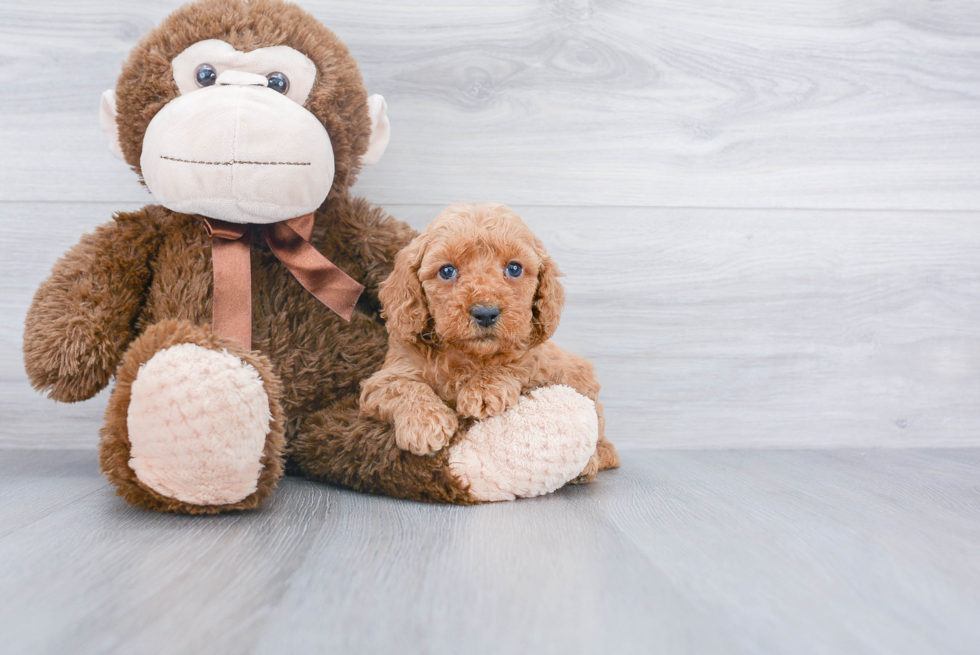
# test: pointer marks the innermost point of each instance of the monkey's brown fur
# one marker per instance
(144, 282)
(439, 358)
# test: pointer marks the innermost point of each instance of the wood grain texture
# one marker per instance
(678, 552)
(709, 328)
(789, 103)
(843, 311)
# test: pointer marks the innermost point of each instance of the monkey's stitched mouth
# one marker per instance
(235, 161)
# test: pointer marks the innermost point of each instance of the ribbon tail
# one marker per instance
(316, 273)
(232, 308)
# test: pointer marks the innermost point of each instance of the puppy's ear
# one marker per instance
(403, 303)
(548, 301)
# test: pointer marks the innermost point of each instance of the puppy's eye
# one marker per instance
(278, 82)
(513, 269)
(447, 272)
(205, 75)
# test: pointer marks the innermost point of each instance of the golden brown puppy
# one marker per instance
(470, 308)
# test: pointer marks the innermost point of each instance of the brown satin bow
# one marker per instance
(290, 242)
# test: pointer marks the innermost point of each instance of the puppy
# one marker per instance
(470, 307)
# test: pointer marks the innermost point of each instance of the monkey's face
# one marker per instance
(243, 135)
(237, 143)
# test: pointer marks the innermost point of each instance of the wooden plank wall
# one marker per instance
(767, 213)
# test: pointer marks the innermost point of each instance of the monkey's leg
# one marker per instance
(194, 424)
(339, 446)
(532, 449)
(529, 450)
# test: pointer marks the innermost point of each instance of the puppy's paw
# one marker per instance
(591, 469)
(483, 399)
(425, 429)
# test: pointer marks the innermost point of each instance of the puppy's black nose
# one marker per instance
(485, 315)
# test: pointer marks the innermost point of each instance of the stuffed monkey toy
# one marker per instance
(240, 315)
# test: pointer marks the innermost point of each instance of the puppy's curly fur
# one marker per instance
(443, 364)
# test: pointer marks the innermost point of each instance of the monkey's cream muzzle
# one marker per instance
(239, 152)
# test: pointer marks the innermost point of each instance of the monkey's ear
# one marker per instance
(380, 130)
(107, 118)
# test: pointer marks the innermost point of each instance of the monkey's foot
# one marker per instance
(529, 450)
(191, 426)
(197, 422)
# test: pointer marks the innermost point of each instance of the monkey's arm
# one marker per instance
(362, 239)
(82, 317)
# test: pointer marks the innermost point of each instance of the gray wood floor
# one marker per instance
(731, 551)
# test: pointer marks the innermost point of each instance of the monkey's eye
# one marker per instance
(205, 75)
(447, 272)
(278, 82)
(513, 269)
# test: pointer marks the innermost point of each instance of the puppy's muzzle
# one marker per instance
(485, 315)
